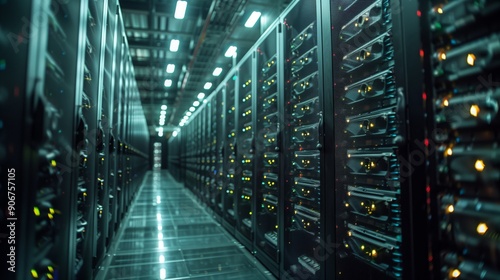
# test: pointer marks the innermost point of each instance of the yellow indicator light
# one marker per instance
(449, 152)
(34, 273)
(481, 228)
(50, 268)
(455, 273)
(53, 163)
(471, 59)
(479, 165)
(440, 10)
(276, 226)
(51, 210)
(50, 216)
(442, 56)
(450, 209)
(374, 253)
(474, 110)
(446, 103)
(362, 247)
(349, 233)
(36, 211)
(347, 205)
(50, 276)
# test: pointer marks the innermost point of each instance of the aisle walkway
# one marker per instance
(168, 235)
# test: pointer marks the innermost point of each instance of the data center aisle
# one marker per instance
(168, 235)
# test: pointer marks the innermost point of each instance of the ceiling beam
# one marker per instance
(158, 32)
(156, 62)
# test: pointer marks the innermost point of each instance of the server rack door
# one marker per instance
(301, 142)
(230, 154)
(463, 93)
(245, 149)
(267, 150)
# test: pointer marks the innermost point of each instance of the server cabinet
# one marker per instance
(245, 148)
(219, 167)
(212, 146)
(302, 143)
(461, 42)
(41, 53)
(230, 153)
(88, 142)
(380, 191)
(267, 151)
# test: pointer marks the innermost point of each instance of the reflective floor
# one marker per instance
(168, 235)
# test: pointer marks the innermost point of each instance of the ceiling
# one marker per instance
(207, 30)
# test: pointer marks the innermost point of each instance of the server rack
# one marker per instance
(230, 152)
(59, 79)
(267, 154)
(460, 44)
(371, 134)
(302, 144)
(380, 191)
(219, 168)
(244, 180)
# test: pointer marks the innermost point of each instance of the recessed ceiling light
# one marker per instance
(188, 113)
(170, 68)
(231, 51)
(174, 45)
(201, 95)
(196, 103)
(252, 19)
(192, 109)
(168, 83)
(185, 118)
(163, 107)
(162, 113)
(180, 9)
(174, 133)
(207, 85)
(217, 71)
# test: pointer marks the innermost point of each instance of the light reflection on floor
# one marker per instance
(169, 236)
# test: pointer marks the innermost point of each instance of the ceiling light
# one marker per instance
(185, 118)
(162, 123)
(201, 95)
(252, 19)
(231, 51)
(162, 113)
(164, 107)
(174, 45)
(192, 109)
(160, 134)
(181, 124)
(174, 133)
(196, 103)
(217, 71)
(170, 68)
(207, 85)
(168, 83)
(180, 9)
(188, 113)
